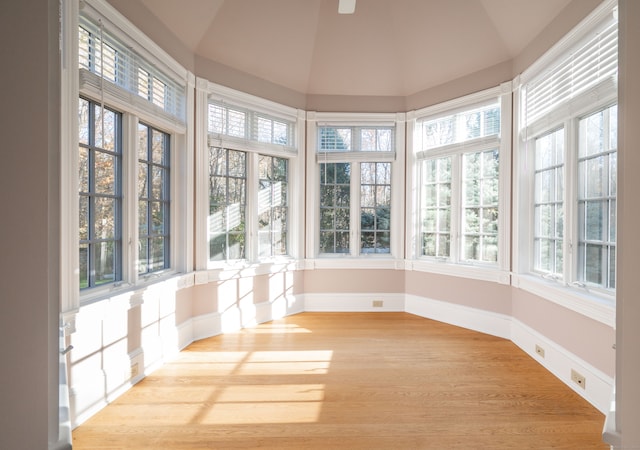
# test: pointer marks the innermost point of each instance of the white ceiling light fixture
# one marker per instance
(346, 6)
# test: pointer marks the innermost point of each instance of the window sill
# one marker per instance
(347, 262)
(597, 307)
(241, 269)
(133, 294)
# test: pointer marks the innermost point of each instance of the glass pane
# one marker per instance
(367, 242)
(327, 242)
(471, 190)
(264, 244)
(593, 272)
(105, 130)
(104, 262)
(613, 174)
(104, 218)
(595, 176)
(591, 134)
(84, 265)
(217, 161)
(142, 180)
(280, 133)
(83, 169)
(613, 127)
(367, 196)
(157, 183)
(490, 248)
(157, 218)
(84, 218)
(490, 220)
(236, 163)
(158, 146)
(236, 123)
(264, 221)
(236, 246)
(367, 218)
(383, 195)
(342, 219)
(280, 244)
(143, 218)
(471, 245)
(105, 173)
(342, 242)
(143, 255)
(217, 246)
(383, 219)
(383, 242)
(490, 191)
(143, 136)
(444, 219)
(612, 220)
(83, 122)
(383, 173)
(368, 173)
(471, 220)
(157, 254)
(594, 220)
(326, 218)
(265, 171)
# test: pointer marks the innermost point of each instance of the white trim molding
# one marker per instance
(560, 362)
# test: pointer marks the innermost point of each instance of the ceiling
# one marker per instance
(387, 48)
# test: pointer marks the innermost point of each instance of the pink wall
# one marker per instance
(584, 337)
(343, 281)
(478, 294)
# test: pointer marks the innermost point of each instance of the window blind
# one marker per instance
(248, 126)
(104, 55)
(581, 68)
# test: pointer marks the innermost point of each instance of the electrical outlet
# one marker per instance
(378, 303)
(134, 370)
(579, 379)
(540, 351)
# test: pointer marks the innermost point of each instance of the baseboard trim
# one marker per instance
(342, 302)
(559, 361)
(463, 316)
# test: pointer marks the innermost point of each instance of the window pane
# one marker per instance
(227, 193)
(84, 265)
(436, 207)
(548, 203)
(105, 218)
(597, 165)
(105, 173)
(83, 169)
(83, 122)
(334, 207)
(375, 205)
(272, 211)
(104, 260)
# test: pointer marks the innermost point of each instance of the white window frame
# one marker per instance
(79, 82)
(354, 259)
(455, 266)
(255, 107)
(597, 304)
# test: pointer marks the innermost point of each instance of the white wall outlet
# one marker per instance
(134, 370)
(378, 303)
(540, 351)
(578, 379)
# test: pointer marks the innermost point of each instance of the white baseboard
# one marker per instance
(462, 316)
(559, 361)
(354, 302)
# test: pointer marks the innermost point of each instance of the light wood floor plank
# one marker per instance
(348, 381)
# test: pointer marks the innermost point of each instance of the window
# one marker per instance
(459, 174)
(100, 194)
(153, 199)
(358, 192)
(567, 180)
(251, 166)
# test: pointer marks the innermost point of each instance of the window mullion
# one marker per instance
(251, 214)
(571, 231)
(354, 222)
(456, 207)
(129, 199)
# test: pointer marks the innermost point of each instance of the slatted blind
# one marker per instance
(588, 64)
(101, 53)
(249, 125)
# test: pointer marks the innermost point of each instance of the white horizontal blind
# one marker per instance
(356, 139)
(249, 125)
(585, 66)
(106, 56)
(461, 126)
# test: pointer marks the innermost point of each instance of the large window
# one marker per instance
(459, 169)
(567, 175)
(251, 161)
(354, 168)
(100, 194)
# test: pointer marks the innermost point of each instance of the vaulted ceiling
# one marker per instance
(387, 48)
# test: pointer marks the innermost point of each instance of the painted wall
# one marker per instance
(29, 202)
(628, 298)
(334, 281)
(588, 339)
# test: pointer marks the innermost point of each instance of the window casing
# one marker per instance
(102, 178)
(252, 165)
(100, 194)
(356, 207)
(460, 170)
(567, 167)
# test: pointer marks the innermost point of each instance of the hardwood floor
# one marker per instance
(348, 381)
